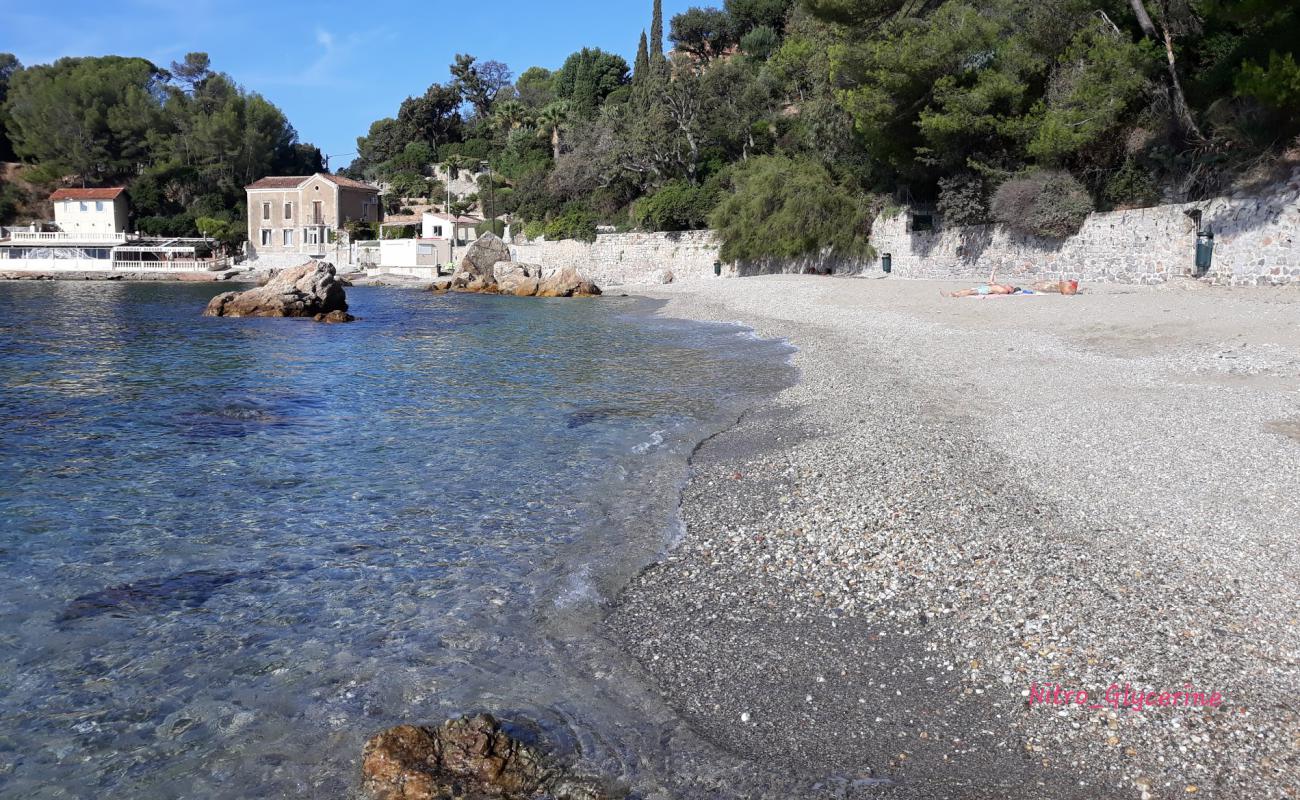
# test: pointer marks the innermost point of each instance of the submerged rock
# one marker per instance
(470, 757)
(304, 291)
(335, 317)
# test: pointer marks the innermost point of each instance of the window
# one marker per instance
(437, 231)
(99, 205)
(288, 211)
(425, 249)
(313, 236)
(288, 237)
(266, 237)
(83, 206)
(266, 211)
(316, 217)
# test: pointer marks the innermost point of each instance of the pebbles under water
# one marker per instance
(232, 549)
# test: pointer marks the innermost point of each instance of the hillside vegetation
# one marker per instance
(786, 125)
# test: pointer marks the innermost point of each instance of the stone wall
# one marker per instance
(1256, 238)
(626, 258)
(1257, 241)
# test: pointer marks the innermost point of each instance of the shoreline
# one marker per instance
(884, 565)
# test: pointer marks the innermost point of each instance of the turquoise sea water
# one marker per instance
(232, 549)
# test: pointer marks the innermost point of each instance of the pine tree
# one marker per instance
(642, 66)
(657, 34)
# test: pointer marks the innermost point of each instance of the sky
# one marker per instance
(332, 67)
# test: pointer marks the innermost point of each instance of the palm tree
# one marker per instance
(551, 121)
(510, 115)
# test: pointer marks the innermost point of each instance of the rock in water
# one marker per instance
(470, 757)
(566, 282)
(520, 280)
(303, 291)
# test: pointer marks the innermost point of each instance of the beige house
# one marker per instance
(91, 214)
(293, 216)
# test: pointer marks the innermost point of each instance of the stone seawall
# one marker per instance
(625, 258)
(1256, 242)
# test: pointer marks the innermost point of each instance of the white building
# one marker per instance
(92, 237)
(91, 214)
(461, 231)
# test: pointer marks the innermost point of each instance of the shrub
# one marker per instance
(782, 207)
(495, 226)
(760, 43)
(1132, 187)
(1048, 203)
(535, 230)
(963, 200)
(574, 223)
(678, 206)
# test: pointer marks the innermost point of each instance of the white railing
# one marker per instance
(175, 265)
(26, 236)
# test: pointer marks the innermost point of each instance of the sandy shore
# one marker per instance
(964, 498)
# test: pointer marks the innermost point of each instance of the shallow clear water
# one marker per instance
(232, 549)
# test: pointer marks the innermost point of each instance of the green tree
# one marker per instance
(479, 83)
(750, 14)
(9, 66)
(704, 33)
(641, 67)
(608, 72)
(535, 87)
(657, 59)
(781, 207)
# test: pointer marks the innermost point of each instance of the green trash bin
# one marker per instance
(1204, 252)
(887, 263)
(717, 269)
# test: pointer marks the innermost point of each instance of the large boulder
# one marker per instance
(482, 256)
(304, 291)
(566, 282)
(470, 757)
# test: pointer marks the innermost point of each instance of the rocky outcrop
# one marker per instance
(566, 282)
(470, 757)
(304, 291)
(487, 269)
(520, 280)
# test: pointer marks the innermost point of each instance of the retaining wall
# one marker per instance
(1256, 242)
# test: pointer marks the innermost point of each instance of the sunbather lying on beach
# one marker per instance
(983, 290)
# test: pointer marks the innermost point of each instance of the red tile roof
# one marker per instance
(279, 182)
(294, 181)
(87, 194)
(348, 183)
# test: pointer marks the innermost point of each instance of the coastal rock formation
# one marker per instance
(520, 280)
(471, 757)
(487, 269)
(566, 282)
(304, 291)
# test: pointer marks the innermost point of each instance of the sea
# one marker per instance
(233, 549)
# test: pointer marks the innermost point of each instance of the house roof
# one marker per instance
(294, 181)
(87, 194)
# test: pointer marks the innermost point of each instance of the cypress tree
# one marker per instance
(584, 89)
(642, 66)
(657, 34)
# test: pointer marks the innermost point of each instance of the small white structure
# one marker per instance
(91, 215)
(460, 231)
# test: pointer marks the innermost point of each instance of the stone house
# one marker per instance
(302, 215)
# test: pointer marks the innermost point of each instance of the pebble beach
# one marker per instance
(897, 578)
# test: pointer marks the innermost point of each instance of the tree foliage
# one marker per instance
(782, 207)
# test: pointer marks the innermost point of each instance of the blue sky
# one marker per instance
(333, 67)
